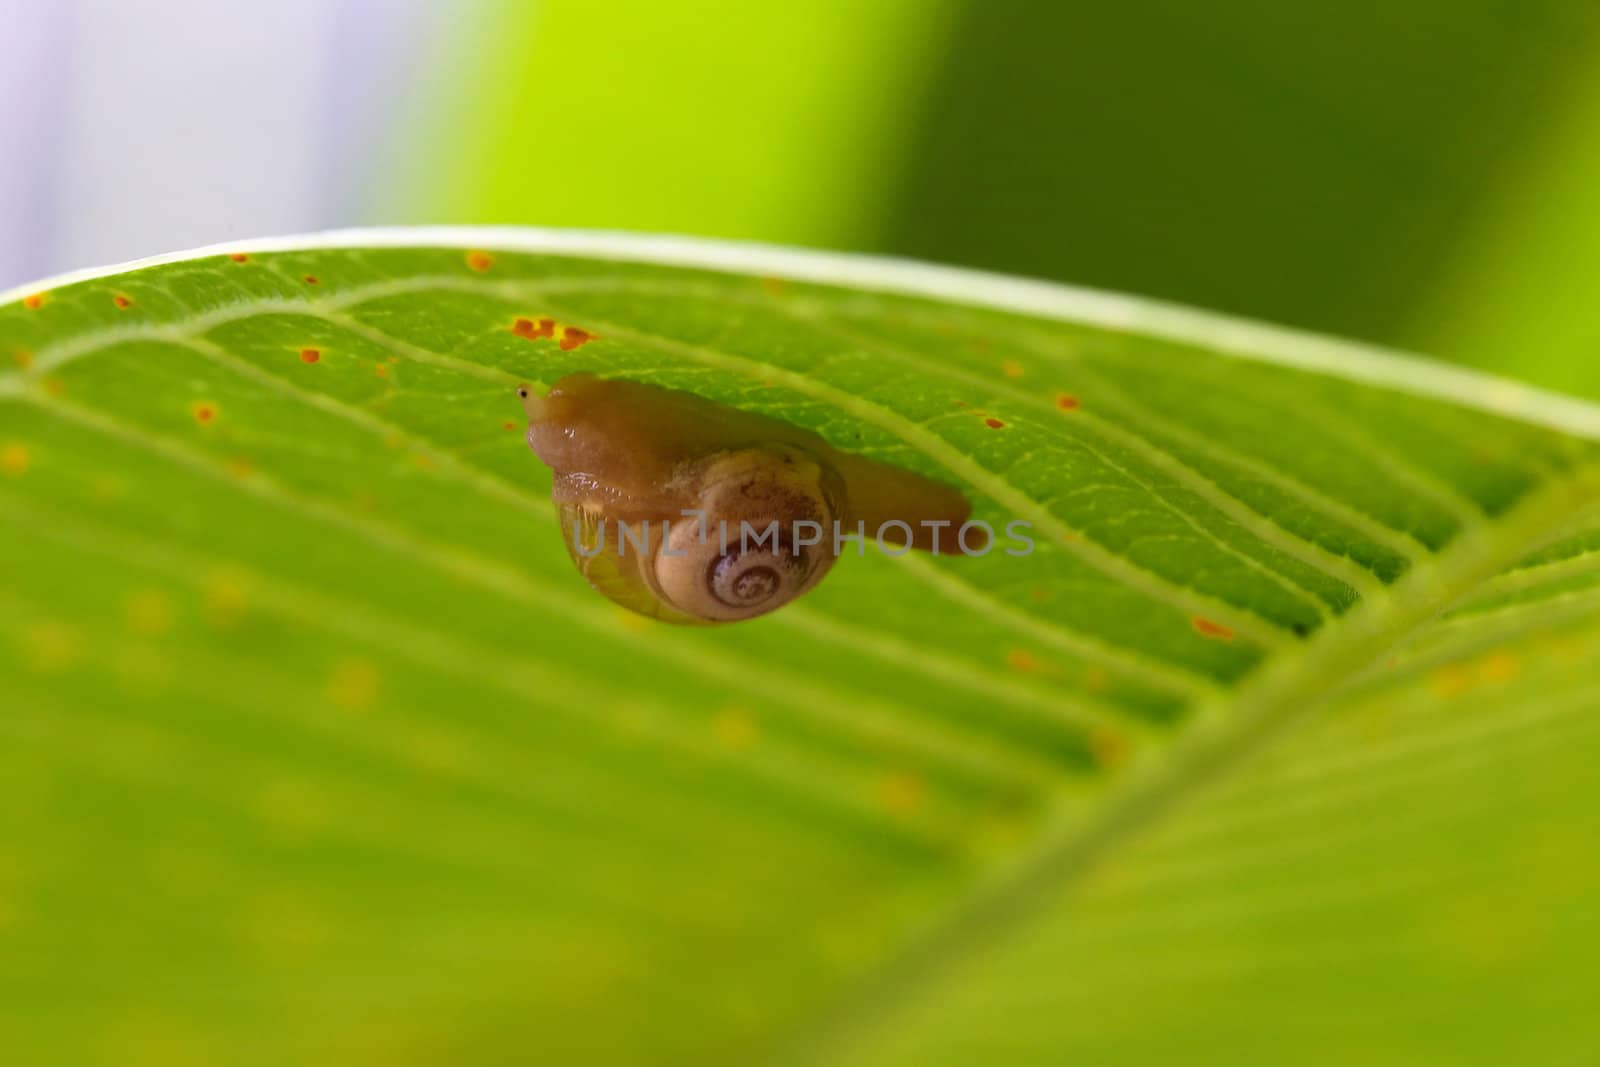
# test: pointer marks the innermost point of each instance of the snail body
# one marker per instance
(689, 511)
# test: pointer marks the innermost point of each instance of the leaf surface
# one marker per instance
(309, 716)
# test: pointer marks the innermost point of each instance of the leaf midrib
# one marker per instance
(1224, 731)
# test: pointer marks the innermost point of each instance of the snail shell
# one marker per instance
(631, 459)
(687, 569)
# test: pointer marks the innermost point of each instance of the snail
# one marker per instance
(689, 511)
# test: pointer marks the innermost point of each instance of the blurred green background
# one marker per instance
(1418, 174)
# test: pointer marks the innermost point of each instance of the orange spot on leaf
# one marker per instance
(1021, 660)
(33, 302)
(123, 303)
(204, 413)
(311, 279)
(510, 427)
(479, 261)
(572, 337)
(994, 423)
(310, 355)
(1067, 402)
(533, 330)
(381, 370)
(14, 458)
(239, 257)
(1210, 628)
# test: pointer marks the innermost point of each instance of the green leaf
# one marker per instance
(543, 114)
(315, 746)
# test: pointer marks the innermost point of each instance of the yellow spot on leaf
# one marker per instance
(900, 792)
(353, 684)
(1498, 666)
(226, 593)
(736, 729)
(14, 458)
(1109, 747)
(51, 647)
(1493, 668)
(1011, 369)
(149, 612)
